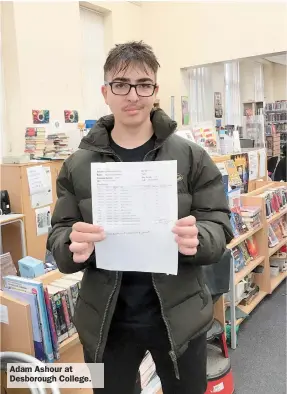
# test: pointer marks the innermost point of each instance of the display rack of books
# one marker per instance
(57, 147)
(258, 251)
(35, 141)
(46, 306)
(275, 127)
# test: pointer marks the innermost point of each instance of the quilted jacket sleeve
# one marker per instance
(210, 208)
(65, 214)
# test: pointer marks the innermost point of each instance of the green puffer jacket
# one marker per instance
(186, 304)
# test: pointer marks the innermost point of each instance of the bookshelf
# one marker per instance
(20, 337)
(14, 179)
(266, 283)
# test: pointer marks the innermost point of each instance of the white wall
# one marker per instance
(280, 82)
(42, 58)
(193, 33)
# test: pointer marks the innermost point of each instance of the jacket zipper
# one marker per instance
(115, 285)
(105, 316)
(172, 353)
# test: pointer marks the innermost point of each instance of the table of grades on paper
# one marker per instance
(136, 204)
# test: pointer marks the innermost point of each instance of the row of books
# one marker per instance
(275, 200)
(57, 146)
(276, 232)
(242, 218)
(251, 216)
(51, 307)
(52, 146)
(251, 289)
(245, 291)
(243, 253)
(279, 105)
(278, 263)
(35, 141)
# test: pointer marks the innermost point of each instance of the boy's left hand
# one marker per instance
(186, 235)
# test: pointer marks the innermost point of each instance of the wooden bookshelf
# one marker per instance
(68, 343)
(238, 240)
(276, 280)
(273, 250)
(249, 268)
(266, 283)
(277, 216)
(257, 299)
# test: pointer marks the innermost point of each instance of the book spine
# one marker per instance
(52, 325)
(74, 293)
(45, 324)
(55, 318)
(67, 312)
(71, 305)
(39, 348)
(63, 329)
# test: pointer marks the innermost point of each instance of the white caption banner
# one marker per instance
(60, 375)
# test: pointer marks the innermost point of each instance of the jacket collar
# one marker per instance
(98, 137)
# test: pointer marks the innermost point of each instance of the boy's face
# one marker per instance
(130, 109)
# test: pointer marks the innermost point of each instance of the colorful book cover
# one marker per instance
(241, 163)
(36, 326)
(252, 247)
(238, 259)
(234, 178)
(31, 286)
(52, 325)
(62, 329)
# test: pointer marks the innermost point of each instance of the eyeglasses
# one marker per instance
(123, 88)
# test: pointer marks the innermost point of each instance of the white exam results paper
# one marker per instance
(136, 204)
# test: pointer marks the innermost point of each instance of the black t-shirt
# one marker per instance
(137, 304)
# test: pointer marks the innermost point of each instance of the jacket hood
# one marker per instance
(98, 136)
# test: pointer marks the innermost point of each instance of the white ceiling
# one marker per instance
(281, 59)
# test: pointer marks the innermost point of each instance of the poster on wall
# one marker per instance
(40, 116)
(185, 110)
(71, 116)
(218, 105)
(43, 220)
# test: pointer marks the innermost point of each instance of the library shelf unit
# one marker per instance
(266, 283)
(19, 338)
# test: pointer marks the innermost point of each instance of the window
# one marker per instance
(232, 94)
(93, 58)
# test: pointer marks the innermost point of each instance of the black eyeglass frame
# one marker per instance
(131, 86)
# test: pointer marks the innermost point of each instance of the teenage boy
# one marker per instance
(119, 316)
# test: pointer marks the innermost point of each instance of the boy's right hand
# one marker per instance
(83, 238)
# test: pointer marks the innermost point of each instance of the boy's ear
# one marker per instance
(105, 93)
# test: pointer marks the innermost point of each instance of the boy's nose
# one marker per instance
(133, 95)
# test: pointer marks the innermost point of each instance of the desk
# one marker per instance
(14, 218)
